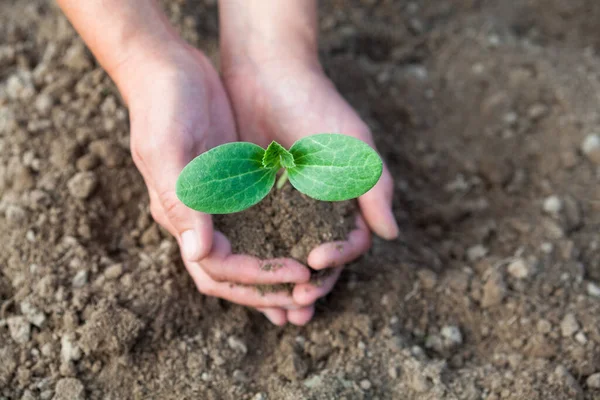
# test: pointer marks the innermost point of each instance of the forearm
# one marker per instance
(122, 34)
(260, 30)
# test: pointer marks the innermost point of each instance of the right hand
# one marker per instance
(179, 109)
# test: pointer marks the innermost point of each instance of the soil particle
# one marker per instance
(110, 329)
(494, 290)
(111, 154)
(113, 272)
(593, 381)
(293, 367)
(69, 389)
(20, 329)
(591, 147)
(8, 365)
(553, 205)
(33, 315)
(520, 268)
(69, 350)
(237, 345)
(569, 325)
(82, 184)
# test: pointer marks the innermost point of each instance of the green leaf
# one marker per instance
(334, 167)
(226, 179)
(277, 157)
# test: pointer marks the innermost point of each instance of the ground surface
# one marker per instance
(479, 107)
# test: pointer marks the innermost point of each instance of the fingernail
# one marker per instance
(390, 229)
(190, 245)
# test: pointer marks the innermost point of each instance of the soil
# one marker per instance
(287, 223)
(485, 112)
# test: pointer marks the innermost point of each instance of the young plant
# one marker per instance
(235, 176)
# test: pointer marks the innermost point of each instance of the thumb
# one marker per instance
(192, 229)
(376, 207)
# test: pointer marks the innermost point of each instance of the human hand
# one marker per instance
(284, 100)
(179, 109)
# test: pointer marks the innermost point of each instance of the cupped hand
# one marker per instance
(285, 100)
(179, 109)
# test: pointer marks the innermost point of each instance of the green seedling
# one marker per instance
(235, 176)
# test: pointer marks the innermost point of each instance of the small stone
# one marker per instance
(537, 111)
(69, 389)
(591, 148)
(538, 345)
(82, 184)
(80, 279)
(69, 350)
(259, 396)
(43, 104)
(15, 214)
(19, 86)
(151, 236)
(519, 269)
(569, 325)
(494, 290)
(365, 384)
(240, 376)
(544, 326)
(393, 372)
(428, 278)
(552, 205)
(452, 335)
(237, 344)
(593, 289)
(77, 58)
(20, 329)
(28, 395)
(87, 162)
(593, 381)
(113, 272)
(32, 314)
(547, 247)
(581, 338)
(8, 364)
(313, 382)
(477, 252)
(111, 154)
(293, 367)
(434, 342)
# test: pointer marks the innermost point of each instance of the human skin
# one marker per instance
(272, 88)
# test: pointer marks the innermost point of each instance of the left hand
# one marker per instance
(285, 100)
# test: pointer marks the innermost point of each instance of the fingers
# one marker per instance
(376, 207)
(193, 230)
(277, 316)
(341, 252)
(307, 293)
(221, 265)
(244, 295)
(302, 316)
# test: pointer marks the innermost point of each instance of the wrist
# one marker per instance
(147, 62)
(255, 32)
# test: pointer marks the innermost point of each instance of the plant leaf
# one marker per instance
(226, 179)
(334, 167)
(277, 157)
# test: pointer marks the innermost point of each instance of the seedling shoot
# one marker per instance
(235, 176)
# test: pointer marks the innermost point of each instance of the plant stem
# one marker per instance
(282, 179)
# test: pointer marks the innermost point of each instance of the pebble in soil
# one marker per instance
(287, 223)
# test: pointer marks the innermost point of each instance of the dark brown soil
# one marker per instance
(481, 110)
(287, 224)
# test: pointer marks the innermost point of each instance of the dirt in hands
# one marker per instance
(287, 223)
